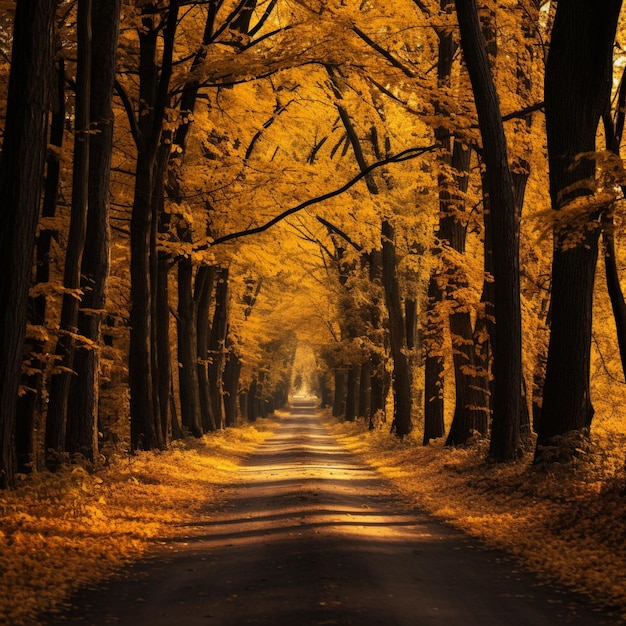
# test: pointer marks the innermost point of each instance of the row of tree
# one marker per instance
(154, 162)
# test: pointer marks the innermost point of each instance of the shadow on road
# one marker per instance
(309, 535)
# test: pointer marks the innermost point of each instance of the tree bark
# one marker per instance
(153, 88)
(217, 343)
(205, 277)
(506, 424)
(434, 372)
(471, 411)
(170, 427)
(352, 392)
(56, 421)
(187, 351)
(410, 319)
(365, 390)
(613, 131)
(30, 405)
(232, 370)
(434, 427)
(339, 396)
(403, 402)
(82, 433)
(577, 86)
(21, 175)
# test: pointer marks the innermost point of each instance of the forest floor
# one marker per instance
(73, 529)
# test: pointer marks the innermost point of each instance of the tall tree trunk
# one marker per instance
(434, 323)
(153, 88)
(365, 390)
(410, 319)
(352, 392)
(56, 421)
(377, 360)
(205, 277)
(165, 382)
(402, 424)
(21, 175)
(83, 418)
(232, 370)
(577, 86)
(187, 350)
(432, 343)
(252, 401)
(613, 132)
(614, 287)
(339, 396)
(506, 424)
(471, 411)
(217, 342)
(30, 406)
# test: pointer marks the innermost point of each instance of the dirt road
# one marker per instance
(311, 536)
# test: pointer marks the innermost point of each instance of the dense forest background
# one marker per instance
(413, 211)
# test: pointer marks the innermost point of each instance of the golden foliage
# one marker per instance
(60, 531)
(567, 524)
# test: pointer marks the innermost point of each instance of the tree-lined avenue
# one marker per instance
(310, 535)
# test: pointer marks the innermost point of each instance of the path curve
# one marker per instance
(309, 535)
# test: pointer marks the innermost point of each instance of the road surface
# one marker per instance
(311, 536)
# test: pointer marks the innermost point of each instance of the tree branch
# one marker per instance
(385, 53)
(538, 106)
(335, 229)
(130, 111)
(405, 155)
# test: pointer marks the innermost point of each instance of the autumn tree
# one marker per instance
(56, 420)
(82, 427)
(507, 351)
(21, 175)
(577, 86)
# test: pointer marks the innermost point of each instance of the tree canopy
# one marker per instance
(225, 203)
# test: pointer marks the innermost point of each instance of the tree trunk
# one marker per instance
(433, 338)
(165, 382)
(252, 401)
(506, 424)
(231, 388)
(410, 318)
(153, 91)
(203, 291)
(352, 391)
(339, 397)
(401, 424)
(471, 411)
(30, 405)
(56, 421)
(613, 131)
(21, 176)
(432, 341)
(83, 418)
(377, 360)
(577, 86)
(365, 390)
(217, 342)
(614, 287)
(187, 351)
(471, 406)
